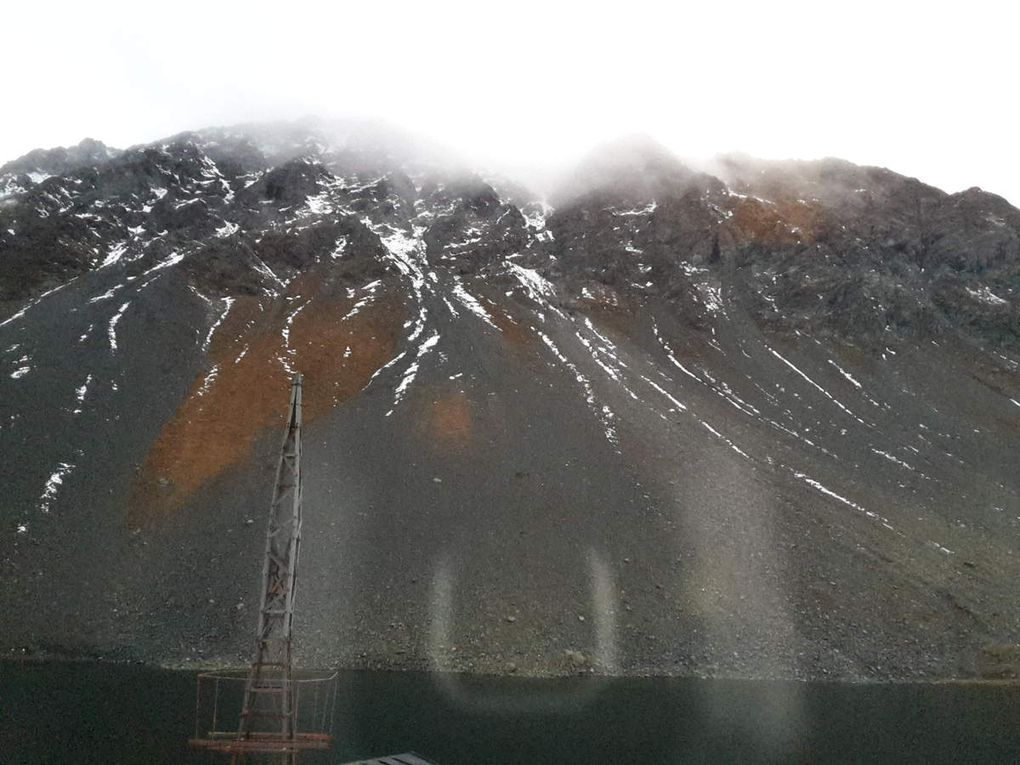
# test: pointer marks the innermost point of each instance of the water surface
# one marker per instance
(58, 712)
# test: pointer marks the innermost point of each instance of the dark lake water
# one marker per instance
(104, 713)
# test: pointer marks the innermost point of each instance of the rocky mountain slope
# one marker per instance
(761, 422)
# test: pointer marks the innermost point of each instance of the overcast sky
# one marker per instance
(925, 90)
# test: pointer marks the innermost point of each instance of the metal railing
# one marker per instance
(219, 700)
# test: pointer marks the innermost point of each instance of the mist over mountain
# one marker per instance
(754, 419)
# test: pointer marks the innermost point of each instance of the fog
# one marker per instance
(527, 88)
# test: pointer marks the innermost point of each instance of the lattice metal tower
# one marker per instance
(269, 711)
(275, 703)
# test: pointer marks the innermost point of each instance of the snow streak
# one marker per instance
(228, 303)
(80, 393)
(111, 331)
(819, 387)
(604, 413)
(471, 303)
(845, 374)
(53, 484)
(849, 503)
(412, 371)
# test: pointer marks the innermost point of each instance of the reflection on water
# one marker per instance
(102, 713)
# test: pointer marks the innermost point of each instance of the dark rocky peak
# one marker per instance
(393, 189)
(466, 244)
(136, 172)
(227, 267)
(276, 142)
(480, 198)
(633, 170)
(178, 170)
(183, 157)
(400, 184)
(347, 147)
(39, 163)
(840, 187)
(229, 148)
(47, 246)
(175, 164)
(870, 210)
(231, 155)
(291, 183)
(241, 264)
(986, 206)
(643, 249)
(92, 151)
(237, 158)
(450, 194)
(384, 200)
(469, 226)
(345, 238)
(187, 217)
(475, 196)
(517, 194)
(968, 234)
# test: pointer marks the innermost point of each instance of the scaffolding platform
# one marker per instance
(219, 704)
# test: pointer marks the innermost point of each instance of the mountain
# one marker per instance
(759, 422)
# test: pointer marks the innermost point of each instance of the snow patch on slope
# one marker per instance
(412, 371)
(111, 330)
(53, 484)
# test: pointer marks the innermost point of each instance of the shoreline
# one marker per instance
(591, 674)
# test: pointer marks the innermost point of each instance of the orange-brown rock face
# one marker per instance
(336, 346)
(777, 224)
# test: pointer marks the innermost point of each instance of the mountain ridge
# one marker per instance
(673, 425)
(772, 210)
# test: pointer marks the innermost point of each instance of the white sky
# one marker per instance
(925, 88)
